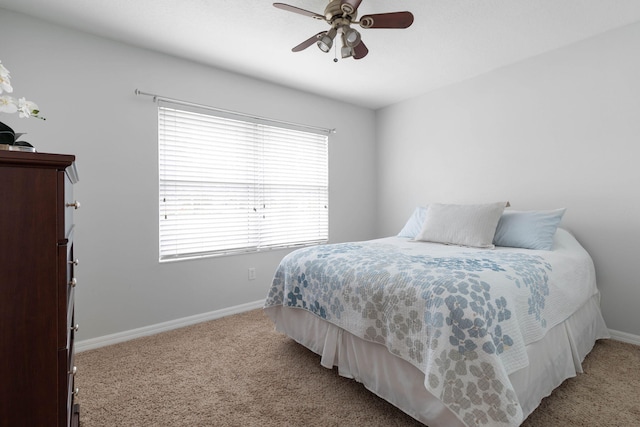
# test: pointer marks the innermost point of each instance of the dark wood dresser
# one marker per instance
(37, 286)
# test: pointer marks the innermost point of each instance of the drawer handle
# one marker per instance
(76, 391)
(75, 327)
(75, 204)
(73, 282)
(74, 262)
(73, 370)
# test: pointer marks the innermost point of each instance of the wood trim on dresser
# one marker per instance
(36, 296)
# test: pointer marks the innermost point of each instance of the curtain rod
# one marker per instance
(157, 98)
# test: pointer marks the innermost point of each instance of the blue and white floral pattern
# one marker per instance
(454, 315)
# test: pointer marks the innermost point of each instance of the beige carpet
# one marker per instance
(237, 371)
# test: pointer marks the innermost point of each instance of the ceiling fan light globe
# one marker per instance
(325, 44)
(352, 38)
(346, 52)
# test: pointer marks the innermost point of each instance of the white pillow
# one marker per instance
(465, 225)
(414, 224)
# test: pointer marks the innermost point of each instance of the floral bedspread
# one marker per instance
(462, 316)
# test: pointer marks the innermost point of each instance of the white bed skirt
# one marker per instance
(553, 359)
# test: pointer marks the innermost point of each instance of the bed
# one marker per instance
(451, 334)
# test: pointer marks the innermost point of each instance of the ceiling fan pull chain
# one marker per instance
(335, 52)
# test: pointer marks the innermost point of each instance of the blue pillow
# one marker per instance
(528, 229)
(414, 225)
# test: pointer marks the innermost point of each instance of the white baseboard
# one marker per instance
(103, 341)
(625, 337)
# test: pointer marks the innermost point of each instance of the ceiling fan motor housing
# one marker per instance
(335, 9)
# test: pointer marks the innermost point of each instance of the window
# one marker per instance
(230, 185)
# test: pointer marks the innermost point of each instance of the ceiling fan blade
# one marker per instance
(360, 51)
(298, 10)
(311, 40)
(387, 20)
(349, 6)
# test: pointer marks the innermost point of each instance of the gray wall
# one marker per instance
(557, 130)
(84, 86)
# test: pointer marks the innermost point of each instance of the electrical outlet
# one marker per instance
(252, 273)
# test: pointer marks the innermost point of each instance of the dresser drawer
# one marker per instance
(66, 283)
(66, 386)
(66, 374)
(67, 206)
(71, 326)
(71, 262)
(71, 390)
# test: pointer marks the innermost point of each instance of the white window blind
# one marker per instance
(229, 185)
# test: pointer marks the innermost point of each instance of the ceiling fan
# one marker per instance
(340, 14)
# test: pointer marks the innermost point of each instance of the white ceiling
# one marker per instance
(449, 41)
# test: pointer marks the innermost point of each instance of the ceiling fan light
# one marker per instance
(351, 38)
(326, 42)
(346, 51)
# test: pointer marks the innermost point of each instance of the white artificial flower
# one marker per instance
(5, 84)
(27, 108)
(8, 104)
(3, 71)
